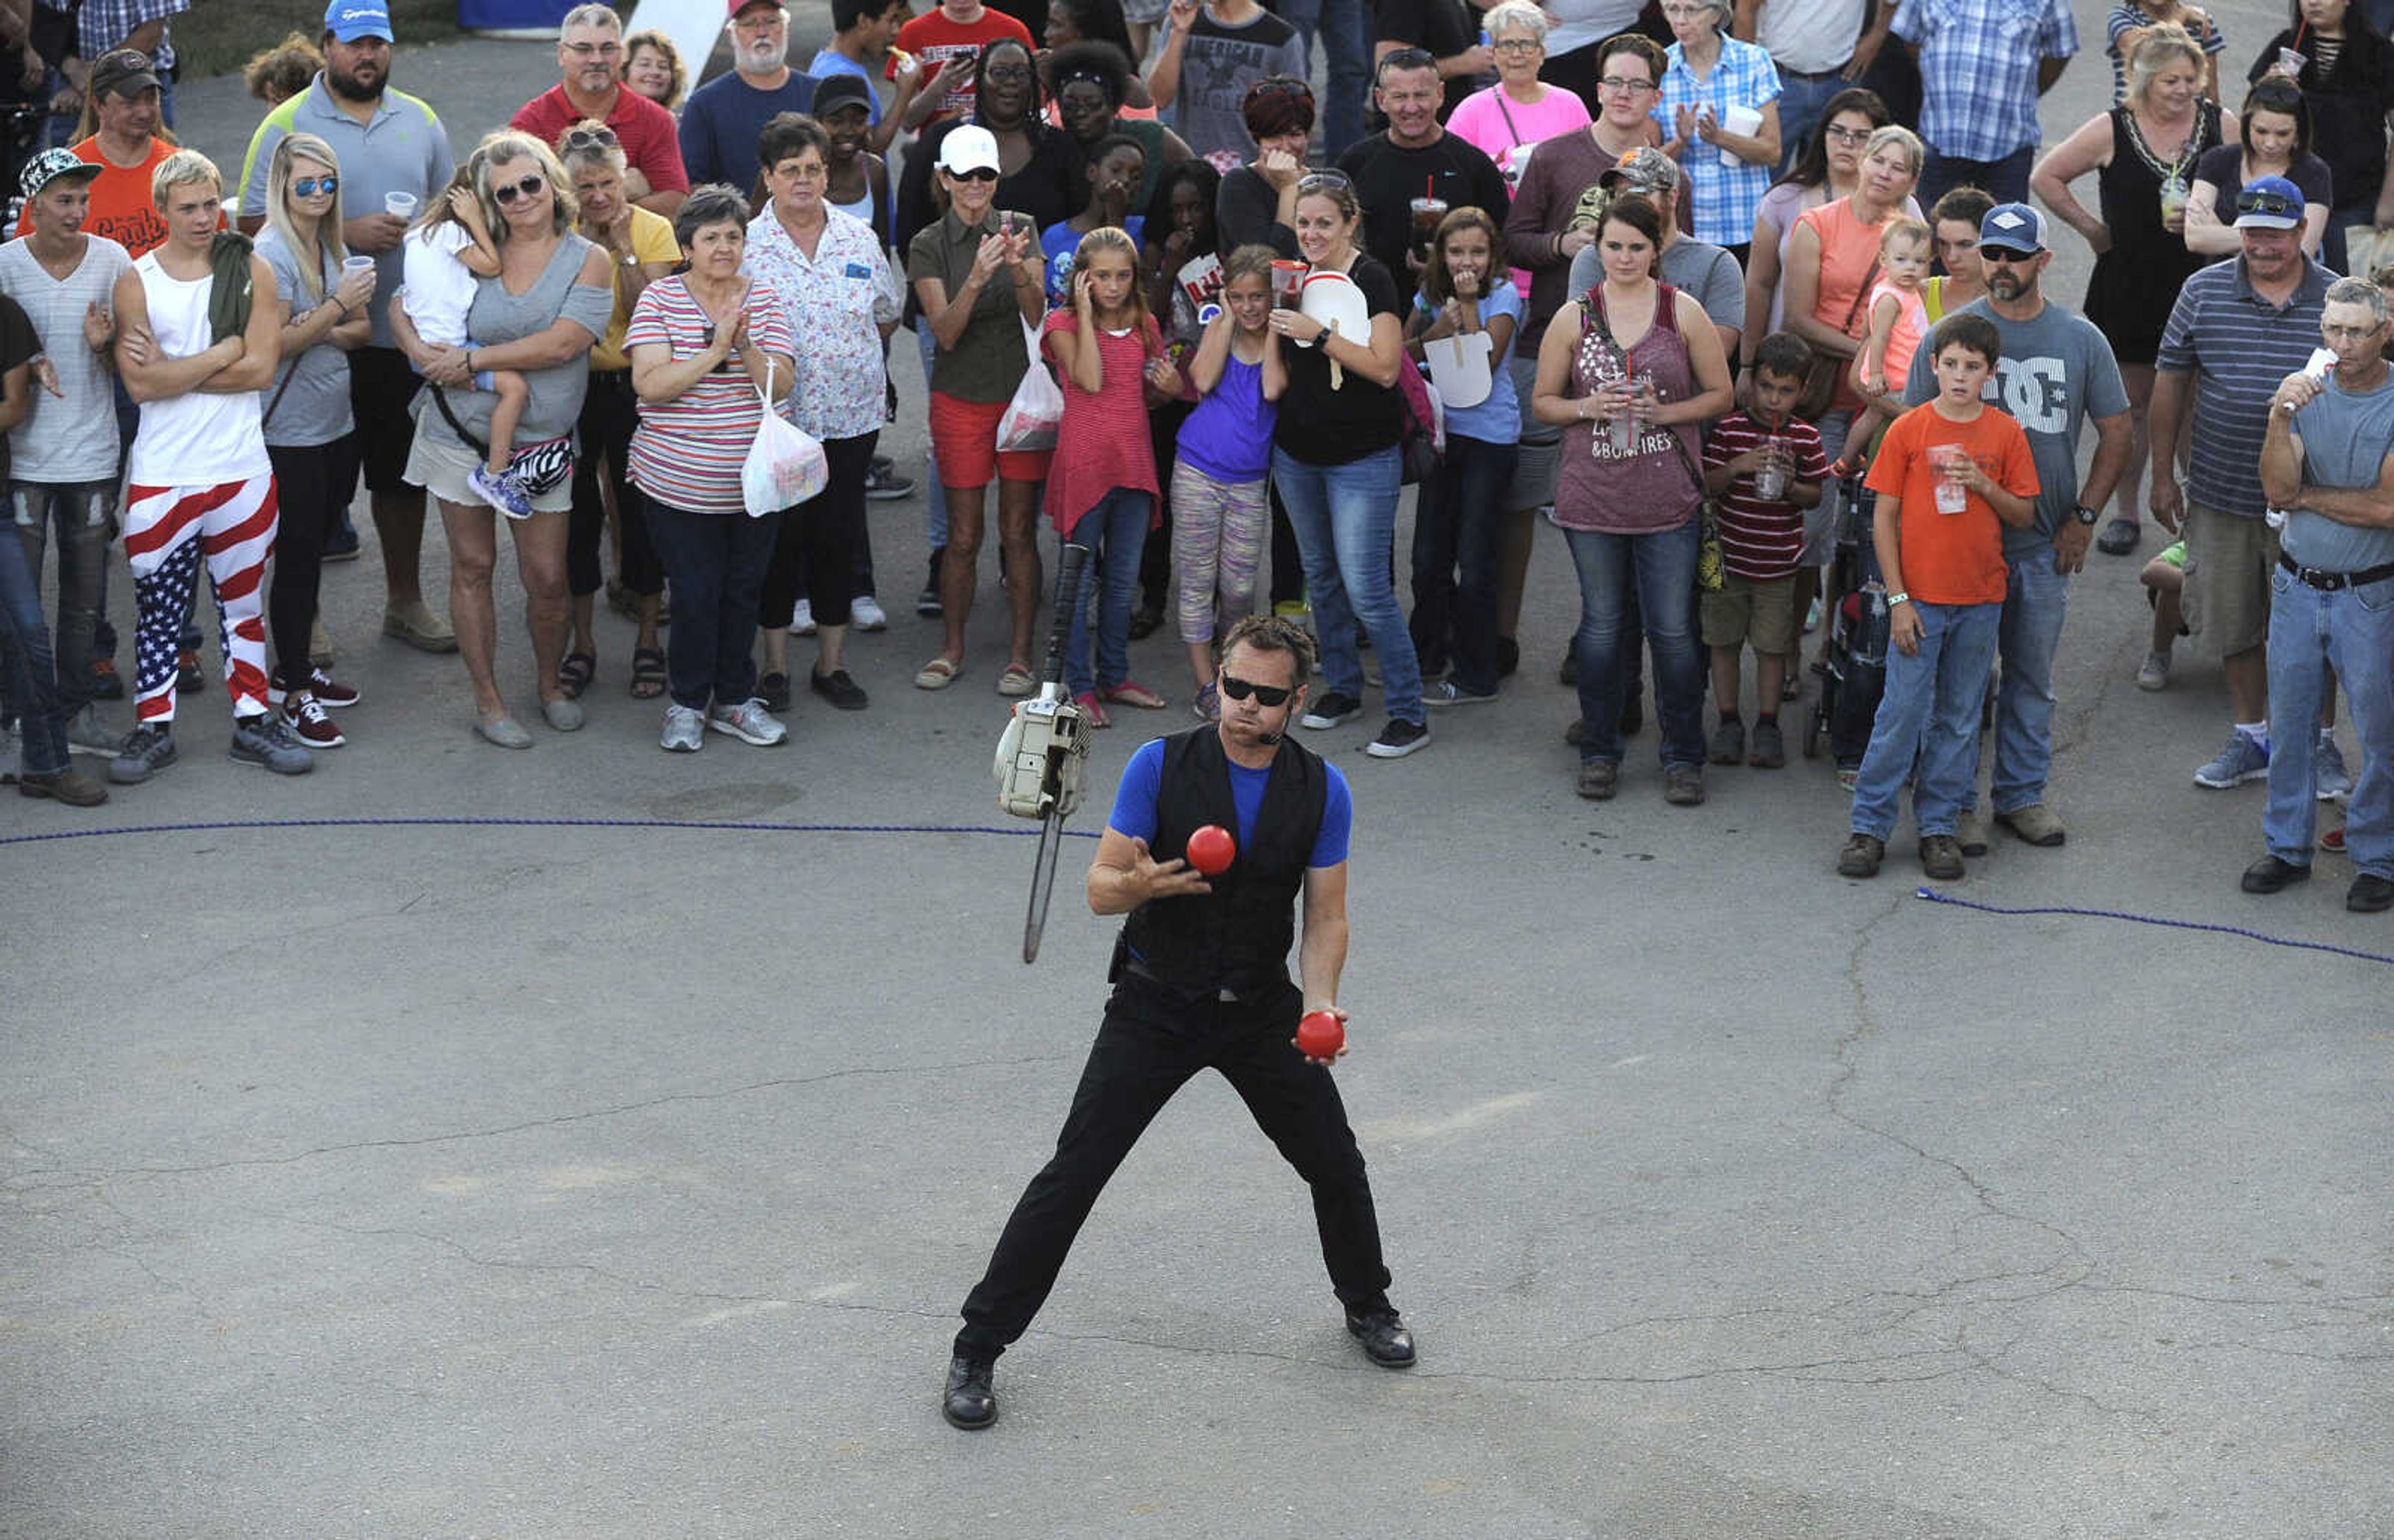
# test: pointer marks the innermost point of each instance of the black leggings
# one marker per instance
(306, 481)
(609, 411)
(819, 541)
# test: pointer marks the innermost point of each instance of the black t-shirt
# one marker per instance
(1445, 27)
(2349, 106)
(18, 344)
(2223, 166)
(1324, 426)
(1247, 213)
(1387, 178)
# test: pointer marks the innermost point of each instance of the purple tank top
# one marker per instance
(1648, 489)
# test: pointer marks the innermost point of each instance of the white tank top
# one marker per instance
(200, 439)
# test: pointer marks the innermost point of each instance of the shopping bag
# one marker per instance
(784, 466)
(1037, 409)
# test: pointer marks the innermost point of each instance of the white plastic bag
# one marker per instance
(1037, 409)
(784, 466)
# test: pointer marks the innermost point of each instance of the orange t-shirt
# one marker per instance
(120, 208)
(1951, 558)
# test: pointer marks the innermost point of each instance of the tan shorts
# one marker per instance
(2229, 561)
(1747, 611)
(441, 469)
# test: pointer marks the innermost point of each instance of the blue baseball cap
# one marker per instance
(2014, 227)
(351, 19)
(2269, 202)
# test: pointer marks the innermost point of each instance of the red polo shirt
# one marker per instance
(651, 144)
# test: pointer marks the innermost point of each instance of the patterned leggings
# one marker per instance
(1217, 541)
(167, 531)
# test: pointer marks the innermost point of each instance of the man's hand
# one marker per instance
(2069, 544)
(139, 346)
(1903, 628)
(2295, 392)
(2166, 500)
(371, 234)
(1326, 1064)
(48, 374)
(1150, 878)
(98, 327)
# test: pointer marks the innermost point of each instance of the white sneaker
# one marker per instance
(685, 731)
(2153, 673)
(749, 722)
(865, 614)
(802, 623)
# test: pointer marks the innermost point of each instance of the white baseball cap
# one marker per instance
(968, 147)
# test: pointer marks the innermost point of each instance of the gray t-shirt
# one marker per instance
(1218, 65)
(499, 316)
(1702, 271)
(2347, 435)
(2056, 371)
(70, 437)
(313, 408)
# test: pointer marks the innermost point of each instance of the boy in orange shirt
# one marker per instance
(1946, 473)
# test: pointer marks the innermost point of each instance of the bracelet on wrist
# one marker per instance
(1899, 596)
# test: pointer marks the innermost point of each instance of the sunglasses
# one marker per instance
(1265, 694)
(308, 187)
(2274, 203)
(978, 174)
(1323, 181)
(506, 195)
(583, 138)
(2001, 256)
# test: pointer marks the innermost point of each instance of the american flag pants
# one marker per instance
(167, 531)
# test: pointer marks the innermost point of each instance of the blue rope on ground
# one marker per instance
(1935, 897)
(1025, 830)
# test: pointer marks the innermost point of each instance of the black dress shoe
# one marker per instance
(2369, 894)
(2118, 537)
(1383, 1334)
(969, 1403)
(2268, 875)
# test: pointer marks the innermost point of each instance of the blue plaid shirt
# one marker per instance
(1724, 198)
(102, 24)
(1978, 70)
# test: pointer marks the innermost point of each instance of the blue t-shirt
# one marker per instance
(1134, 812)
(723, 120)
(829, 63)
(2347, 435)
(1059, 240)
(1228, 437)
(1495, 419)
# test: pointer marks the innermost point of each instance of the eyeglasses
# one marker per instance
(2350, 334)
(2001, 256)
(1622, 85)
(2274, 203)
(1682, 13)
(1323, 181)
(583, 138)
(308, 187)
(604, 50)
(506, 195)
(978, 174)
(1009, 75)
(1517, 44)
(1265, 694)
(1848, 136)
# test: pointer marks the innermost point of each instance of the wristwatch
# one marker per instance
(2085, 515)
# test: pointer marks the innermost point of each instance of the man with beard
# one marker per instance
(724, 118)
(388, 142)
(1391, 169)
(126, 148)
(590, 59)
(2056, 369)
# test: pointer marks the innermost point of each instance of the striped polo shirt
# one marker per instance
(686, 453)
(2238, 346)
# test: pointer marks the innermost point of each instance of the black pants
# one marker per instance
(306, 482)
(1150, 1043)
(609, 411)
(817, 549)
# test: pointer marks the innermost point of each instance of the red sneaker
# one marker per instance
(320, 684)
(308, 719)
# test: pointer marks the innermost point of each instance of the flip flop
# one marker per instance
(938, 673)
(573, 676)
(648, 672)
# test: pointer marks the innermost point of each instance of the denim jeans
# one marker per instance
(2006, 178)
(1345, 35)
(1930, 708)
(1115, 533)
(935, 496)
(1345, 517)
(83, 513)
(2030, 634)
(1662, 566)
(717, 562)
(2310, 632)
(1800, 100)
(32, 672)
(1458, 520)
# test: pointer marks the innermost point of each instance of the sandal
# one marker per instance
(648, 672)
(573, 676)
(1017, 680)
(1130, 692)
(938, 673)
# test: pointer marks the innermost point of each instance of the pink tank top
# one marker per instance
(1647, 490)
(1910, 325)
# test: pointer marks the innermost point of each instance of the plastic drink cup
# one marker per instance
(356, 264)
(2173, 195)
(1288, 282)
(1947, 459)
(1770, 482)
(400, 205)
(1427, 212)
(1624, 427)
(2292, 61)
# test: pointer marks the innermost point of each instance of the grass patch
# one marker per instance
(218, 37)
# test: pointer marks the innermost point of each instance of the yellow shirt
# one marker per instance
(653, 240)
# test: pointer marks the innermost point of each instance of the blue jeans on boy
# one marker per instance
(2028, 635)
(1115, 532)
(1459, 523)
(1345, 517)
(1662, 566)
(82, 514)
(31, 671)
(2311, 631)
(1930, 707)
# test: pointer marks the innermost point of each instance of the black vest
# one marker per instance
(1238, 935)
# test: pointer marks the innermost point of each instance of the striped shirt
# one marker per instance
(2238, 346)
(686, 453)
(2128, 16)
(1762, 541)
(1978, 65)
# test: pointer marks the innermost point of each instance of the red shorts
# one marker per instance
(964, 437)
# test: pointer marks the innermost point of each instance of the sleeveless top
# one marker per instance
(1648, 491)
(1911, 324)
(2135, 282)
(198, 439)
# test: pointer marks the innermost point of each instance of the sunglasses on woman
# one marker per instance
(583, 138)
(308, 187)
(506, 195)
(1266, 694)
(978, 174)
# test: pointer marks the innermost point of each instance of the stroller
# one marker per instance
(1856, 673)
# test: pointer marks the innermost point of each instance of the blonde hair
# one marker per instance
(650, 37)
(291, 149)
(507, 145)
(1115, 239)
(1896, 133)
(1903, 227)
(2154, 52)
(177, 169)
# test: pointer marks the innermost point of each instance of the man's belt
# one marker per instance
(2334, 582)
(1138, 969)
